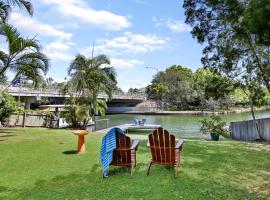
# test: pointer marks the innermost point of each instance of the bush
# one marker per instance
(214, 125)
(8, 105)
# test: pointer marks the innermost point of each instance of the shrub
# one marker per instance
(214, 125)
(8, 105)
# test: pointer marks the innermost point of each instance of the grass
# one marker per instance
(33, 166)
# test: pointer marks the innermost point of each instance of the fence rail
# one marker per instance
(246, 130)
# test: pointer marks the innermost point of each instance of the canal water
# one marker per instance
(185, 126)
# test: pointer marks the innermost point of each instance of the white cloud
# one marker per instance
(125, 63)
(130, 43)
(59, 45)
(174, 25)
(59, 50)
(35, 27)
(79, 10)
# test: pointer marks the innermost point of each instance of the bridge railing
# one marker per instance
(56, 91)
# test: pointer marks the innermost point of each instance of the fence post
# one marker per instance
(24, 119)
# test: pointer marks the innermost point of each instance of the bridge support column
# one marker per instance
(27, 102)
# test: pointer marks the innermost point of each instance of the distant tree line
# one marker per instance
(178, 88)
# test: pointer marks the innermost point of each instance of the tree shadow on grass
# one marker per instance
(120, 186)
(3, 189)
(5, 131)
(116, 170)
(4, 192)
(9, 135)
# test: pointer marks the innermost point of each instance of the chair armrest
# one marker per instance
(135, 144)
(148, 144)
(179, 144)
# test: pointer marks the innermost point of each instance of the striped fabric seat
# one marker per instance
(107, 147)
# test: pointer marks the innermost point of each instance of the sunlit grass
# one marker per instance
(33, 166)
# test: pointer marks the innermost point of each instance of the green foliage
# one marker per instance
(160, 88)
(8, 105)
(75, 112)
(180, 88)
(230, 48)
(173, 87)
(241, 96)
(90, 74)
(24, 56)
(214, 125)
(78, 110)
(236, 39)
(136, 90)
(257, 19)
(89, 77)
(212, 85)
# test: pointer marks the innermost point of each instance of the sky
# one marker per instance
(134, 34)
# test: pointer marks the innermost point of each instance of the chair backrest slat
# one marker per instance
(167, 146)
(122, 142)
(172, 141)
(157, 145)
(162, 146)
(152, 144)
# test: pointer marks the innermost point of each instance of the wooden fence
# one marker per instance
(31, 120)
(246, 130)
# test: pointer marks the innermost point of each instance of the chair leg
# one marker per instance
(131, 170)
(176, 170)
(149, 166)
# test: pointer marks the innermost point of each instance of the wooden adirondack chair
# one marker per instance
(164, 150)
(125, 154)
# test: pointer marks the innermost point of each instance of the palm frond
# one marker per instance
(22, 4)
(78, 64)
(4, 12)
(40, 58)
(101, 60)
(9, 32)
(110, 73)
(3, 57)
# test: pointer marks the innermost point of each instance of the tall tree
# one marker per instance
(90, 77)
(176, 83)
(233, 44)
(230, 46)
(23, 56)
(210, 85)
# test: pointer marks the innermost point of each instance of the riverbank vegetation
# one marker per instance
(178, 88)
(39, 164)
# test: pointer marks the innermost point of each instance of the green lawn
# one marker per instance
(33, 166)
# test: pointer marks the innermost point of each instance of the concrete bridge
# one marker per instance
(30, 95)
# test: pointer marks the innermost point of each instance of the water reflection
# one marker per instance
(186, 126)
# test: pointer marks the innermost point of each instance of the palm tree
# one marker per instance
(90, 77)
(23, 57)
(5, 8)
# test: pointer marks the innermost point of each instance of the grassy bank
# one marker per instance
(39, 164)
